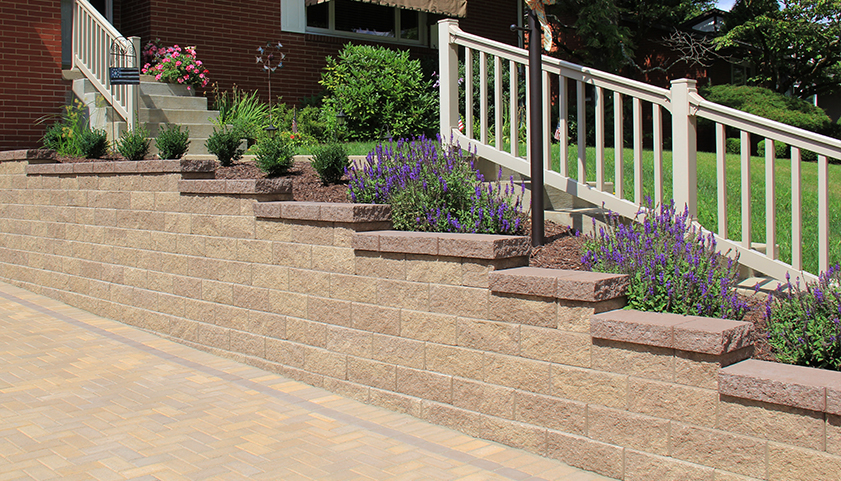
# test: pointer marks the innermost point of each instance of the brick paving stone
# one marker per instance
(84, 397)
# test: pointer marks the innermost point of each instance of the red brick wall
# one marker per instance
(30, 69)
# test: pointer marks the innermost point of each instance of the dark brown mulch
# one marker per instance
(306, 186)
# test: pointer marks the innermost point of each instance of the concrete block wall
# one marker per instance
(452, 328)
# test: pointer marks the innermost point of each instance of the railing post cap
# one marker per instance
(688, 81)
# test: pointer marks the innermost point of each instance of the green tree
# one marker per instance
(794, 45)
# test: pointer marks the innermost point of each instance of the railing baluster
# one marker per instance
(468, 93)
(770, 201)
(498, 107)
(618, 145)
(563, 118)
(483, 97)
(657, 125)
(599, 94)
(823, 213)
(582, 132)
(796, 212)
(513, 93)
(721, 177)
(746, 227)
(547, 121)
(637, 104)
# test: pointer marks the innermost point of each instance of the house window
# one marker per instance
(356, 19)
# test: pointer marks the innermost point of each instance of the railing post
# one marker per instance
(134, 90)
(684, 146)
(447, 78)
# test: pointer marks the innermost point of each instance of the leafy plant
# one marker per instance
(243, 110)
(733, 146)
(64, 135)
(93, 143)
(134, 144)
(378, 90)
(434, 187)
(781, 150)
(171, 142)
(330, 162)
(804, 326)
(224, 143)
(274, 155)
(174, 65)
(672, 266)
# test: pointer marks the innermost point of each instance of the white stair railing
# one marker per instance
(93, 37)
(648, 104)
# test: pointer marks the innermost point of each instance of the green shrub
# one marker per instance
(803, 325)
(330, 162)
(93, 144)
(274, 155)
(379, 90)
(224, 144)
(171, 142)
(733, 146)
(771, 105)
(243, 110)
(781, 150)
(134, 144)
(64, 136)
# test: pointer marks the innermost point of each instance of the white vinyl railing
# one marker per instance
(596, 90)
(93, 38)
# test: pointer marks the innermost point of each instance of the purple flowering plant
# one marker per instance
(672, 265)
(803, 324)
(434, 187)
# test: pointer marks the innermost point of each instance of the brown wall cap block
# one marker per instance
(476, 246)
(200, 186)
(49, 169)
(784, 384)
(197, 166)
(591, 286)
(27, 154)
(559, 283)
(116, 167)
(325, 211)
(235, 186)
(684, 333)
(528, 281)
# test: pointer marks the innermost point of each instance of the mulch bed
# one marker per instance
(562, 248)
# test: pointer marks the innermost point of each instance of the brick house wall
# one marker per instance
(30, 34)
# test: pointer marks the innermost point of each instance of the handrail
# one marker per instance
(93, 36)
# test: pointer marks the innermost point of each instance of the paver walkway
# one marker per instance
(83, 397)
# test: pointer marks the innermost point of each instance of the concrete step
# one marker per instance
(150, 86)
(173, 102)
(178, 116)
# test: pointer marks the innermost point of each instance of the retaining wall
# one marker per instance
(451, 328)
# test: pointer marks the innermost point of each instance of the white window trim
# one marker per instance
(293, 18)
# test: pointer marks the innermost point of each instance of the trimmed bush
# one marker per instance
(274, 155)
(781, 150)
(93, 144)
(172, 143)
(330, 162)
(224, 144)
(733, 146)
(134, 144)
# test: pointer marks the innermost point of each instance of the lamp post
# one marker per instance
(340, 121)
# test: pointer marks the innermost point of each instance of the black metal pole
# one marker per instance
(536, 133)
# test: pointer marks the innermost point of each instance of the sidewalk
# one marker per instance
(83, 397)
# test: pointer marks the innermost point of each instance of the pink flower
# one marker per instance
(178, 63)
(180, 80)
(201, 75)
(167, 59)
(158, 77)
(188, 88)
(198, 62)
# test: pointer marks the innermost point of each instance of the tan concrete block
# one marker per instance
(455, 361)
(673, 401)
(177, 223)
(551, 412)
(516, 434)
(425, 326)
(192, 245)
(526, 374)
(306, 332)
(184, 286)
(322, 361)
(463, 420)
(403, 294)
(285, 352)
(271, 230)
(785, 462)
(348, 341)
(267, 324)
(424, 384)
(399, 351)
(433, 269)
(237, 227)
(395, 402)
(142, 200)
(371, 373)
(333, 259)
(309, 282)
(310, 232)
(251, 250)
(329, 311)
(383, 320)
(553, 345)
(459, 301)
(215, 336)
(197, 310)
(248, 343)
(174, 305)
(485, 398)
(574, 317)
(161, 281)
(626, 429)
(531, 310)
(382, 265)
(270, 276)
(718, 449)
(353, 288)
(833, 434)
(347, 389)
(167, 201)
(220, 248)
(635, 359)
(229, 316)
(501, 337)
(185, 329)
(474, 273)
(221, 292)
(640, 466)
(590, 386)
(288, 303)
(249, 297)
(784, 424)
(585, 453)
(235, 272)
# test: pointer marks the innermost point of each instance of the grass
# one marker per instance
(353, 148)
